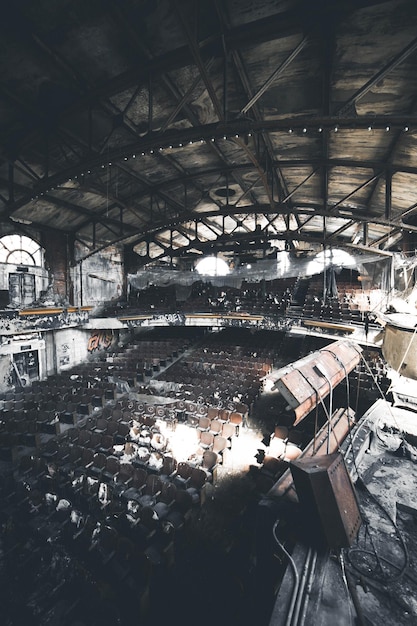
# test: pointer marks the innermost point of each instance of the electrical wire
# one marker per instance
(326, 411)
(345, 581)
(295, 574)
(351, 551)
(347, 410)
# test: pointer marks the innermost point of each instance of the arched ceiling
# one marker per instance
(180, 127)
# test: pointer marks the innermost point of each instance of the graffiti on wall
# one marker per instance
(100, 340)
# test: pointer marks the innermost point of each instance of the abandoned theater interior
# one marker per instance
(208, 312)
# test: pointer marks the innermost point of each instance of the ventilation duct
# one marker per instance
(306, 382)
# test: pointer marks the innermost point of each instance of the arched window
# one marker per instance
(212, 266)
(21, 250)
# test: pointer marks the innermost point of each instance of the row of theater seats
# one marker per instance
(108, 490)
(331, 310)
(134, 363)
(349, 305)
(113, 517)
(32, 412)
(371, 374)
(66, 398)
(219, 374)
(268, 297)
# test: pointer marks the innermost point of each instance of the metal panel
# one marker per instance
(328, 498)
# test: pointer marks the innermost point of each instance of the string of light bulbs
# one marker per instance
(302, 130)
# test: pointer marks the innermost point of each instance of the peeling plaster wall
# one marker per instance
(41, 277)
(99, 278)
(11, 323)
(5, 372)
(70, 348)
(50, 354)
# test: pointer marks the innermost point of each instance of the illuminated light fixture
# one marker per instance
(224, 137)
(336, 128)
(320, 130)
(290, 130)
(150, 151)
(180, 145)
(369, 127)
(328, 257)
(405, 128)
(212, 266)
(133, 156)
(109, 164)
(212, 139)
(304, 130)
(126, 158)
(387, 128)
(236, 136)
(143, 154)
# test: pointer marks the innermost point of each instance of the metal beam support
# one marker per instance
(388, 194)
(341, 230)
(409, 211)
(198, 60)
(288, 163)
(395, 61)
(150, 188)
(105, 221)
(150, 104)
(185, 98)
(384, 238)
(352, 193)
(365, 236)
(274, 27)
(290, 58)
(213, 131)
(11, 182)
(265, 211)
(239, 66)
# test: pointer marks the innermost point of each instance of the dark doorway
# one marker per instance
(25, 368)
